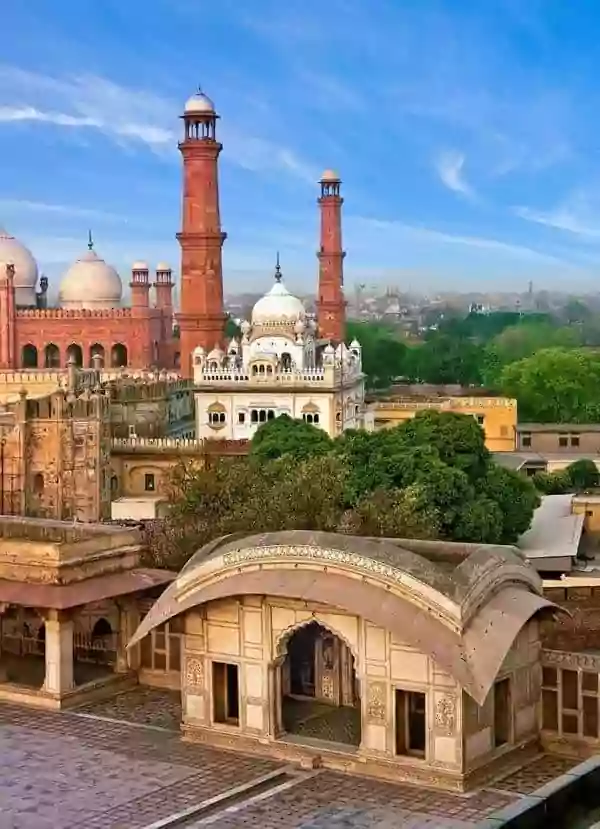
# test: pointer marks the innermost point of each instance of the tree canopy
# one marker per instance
(429, 477)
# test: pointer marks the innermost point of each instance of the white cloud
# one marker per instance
(563, 218)
(129, 116)
(450, 168)
(432, 235)
(26, 206)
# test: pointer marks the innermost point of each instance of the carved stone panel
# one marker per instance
(194, 673)
(376, 701)
(445, 716)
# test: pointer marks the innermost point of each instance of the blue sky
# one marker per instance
(465, 132)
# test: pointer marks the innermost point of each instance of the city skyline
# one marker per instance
(463, 137)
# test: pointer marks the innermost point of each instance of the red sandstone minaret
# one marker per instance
(331, 306)
(201, 317)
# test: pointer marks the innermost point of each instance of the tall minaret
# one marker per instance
(331, 306)
(201, 317)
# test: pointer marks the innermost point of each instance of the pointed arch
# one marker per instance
(51, 356)
(286, 635)
(29, 356)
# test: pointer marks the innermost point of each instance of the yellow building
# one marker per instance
(589, 506)
(496, 415)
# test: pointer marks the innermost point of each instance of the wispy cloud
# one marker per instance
(25, 206)
(450, 168)
(432, 235)
(575, 216)
(129, 116)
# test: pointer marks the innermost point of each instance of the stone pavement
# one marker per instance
(335, 801)
(68, 771)
(62, 771)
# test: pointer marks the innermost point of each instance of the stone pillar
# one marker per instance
(59, 653)
(129, 619)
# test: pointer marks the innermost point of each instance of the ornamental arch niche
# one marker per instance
(29, 356)
(97, 350)
(51, 356)
(118, 356)
(75, 353)
(317, 693)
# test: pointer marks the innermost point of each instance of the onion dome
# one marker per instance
(13, 252)
(91, 283)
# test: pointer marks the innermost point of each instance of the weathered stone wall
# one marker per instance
(579, 629)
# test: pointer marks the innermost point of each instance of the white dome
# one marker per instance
(278, 306)
(12, 252)
(163, 266)
(330, 176)
(139, 266)
(199, 103)
(90, 283)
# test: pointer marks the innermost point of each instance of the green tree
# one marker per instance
(286, 436)
(583, 474)
(555, 386)
(383, 353)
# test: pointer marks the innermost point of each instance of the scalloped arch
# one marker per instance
(288, 633)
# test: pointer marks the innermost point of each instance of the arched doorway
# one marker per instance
(75, 352)
(320, 698)
(29, 356)
(118, 356)
(96, 350)
(51, 356)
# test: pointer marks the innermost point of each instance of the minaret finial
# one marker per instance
(90, 241)
(277, 269)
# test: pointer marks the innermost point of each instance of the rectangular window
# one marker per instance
(570, 699)
(160, 650)
(480, 419)
(502, 713)
(149, 484)
(526, 440)
(241, 417)
(575, 440)
(563, 441)
(410, 723)
(226, 693)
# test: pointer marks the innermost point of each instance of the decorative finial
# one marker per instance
(277, 269)
(90, 241)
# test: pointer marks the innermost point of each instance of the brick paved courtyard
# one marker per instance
(68, 771)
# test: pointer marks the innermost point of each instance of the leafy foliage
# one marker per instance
(577, 477)
(286, 436)
(430, 477)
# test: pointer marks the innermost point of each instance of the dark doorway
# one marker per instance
(226, 693)
(502, 707)
(74, 352)
(29, 356)
(97, 351)
(411, 727)
(118, 356)
(52, 356)
(320, 698)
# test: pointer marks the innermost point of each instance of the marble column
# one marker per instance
(59, 653)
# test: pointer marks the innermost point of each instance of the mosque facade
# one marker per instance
(90, 325)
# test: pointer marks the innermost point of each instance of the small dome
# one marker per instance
(330, 176)
(12, 252)
(278, 306)
(163, 266)
(355, 343)
(216, 354)
(90, 283)
(139, 266)
(199, 103)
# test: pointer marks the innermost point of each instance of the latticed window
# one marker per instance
(570, 699)
(161, 649)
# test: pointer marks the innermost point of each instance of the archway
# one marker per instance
(29, 356)
(51, 356)
(118, 356)
(320, 697)
(74, 352)
(96, 350)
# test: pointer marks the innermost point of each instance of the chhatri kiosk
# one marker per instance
(413, 660)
